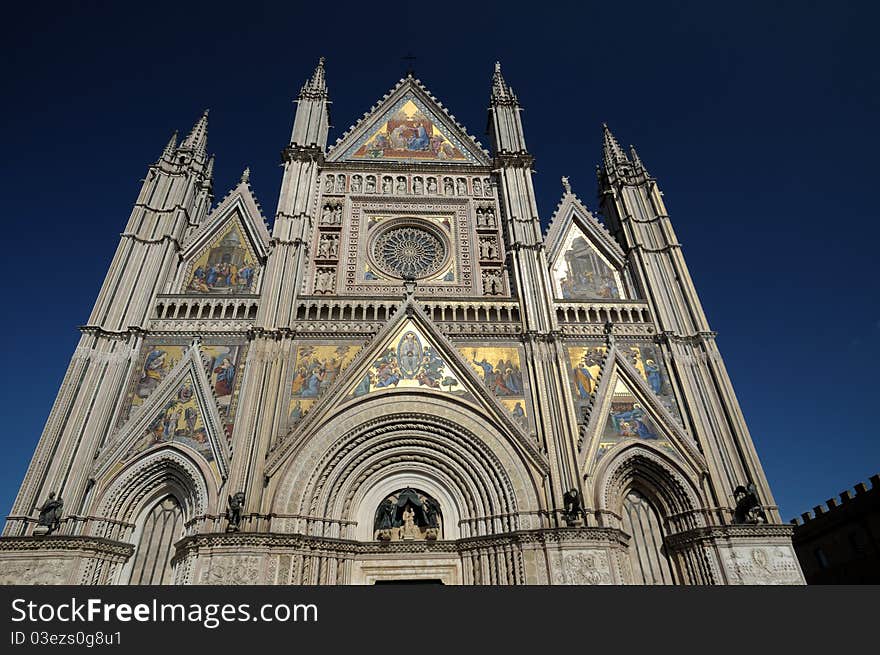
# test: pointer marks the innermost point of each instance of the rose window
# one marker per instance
(409, 252)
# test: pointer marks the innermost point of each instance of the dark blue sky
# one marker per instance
(759, 121)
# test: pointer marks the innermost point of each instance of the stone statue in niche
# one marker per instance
(340, 184)
(386, 185)
(401, 185)
(461, 187)
(356, 184)
(492, 284)
(748, 506)
(408, 515)
(418, 186)
(487, 187)
(488, 248)
(371, 184)
(337, 214)
(489, 215)
(328, 246)
(50, 515)
(325, 280)
(328, 184)
(573, 511)
(233, 511)
(327, 214)
(448, 187)
(432, 185)
(478, 187)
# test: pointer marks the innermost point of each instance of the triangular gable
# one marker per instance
(234, 232)
(625, 409)
(409, 125)
(182, 412)
(586, 262)
(407, 337)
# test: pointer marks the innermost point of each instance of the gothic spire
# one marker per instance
(637, 161)
(613, 153)
(316, 86)
(501, 91)
(209, 168)
(198, 138)
(171, 147)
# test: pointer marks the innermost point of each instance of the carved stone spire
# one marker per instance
(197, 140)
(246, 175)
(316, 87)
(501, 91)
(168, 152)
(637, 161)
(613, 154)
(312, 120)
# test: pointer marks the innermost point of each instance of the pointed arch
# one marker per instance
(673, 492)
(133, 505)
(484, 483)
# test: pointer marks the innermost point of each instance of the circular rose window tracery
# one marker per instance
(409, 251)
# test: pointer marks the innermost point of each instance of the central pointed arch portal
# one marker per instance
(483, 482)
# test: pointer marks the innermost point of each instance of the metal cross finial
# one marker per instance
(410, 69)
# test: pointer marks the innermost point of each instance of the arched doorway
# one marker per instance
(648, 560)
(160, 526)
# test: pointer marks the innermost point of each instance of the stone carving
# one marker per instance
(448, 187)
(233, 512)
(409, 251)
(328, 184)
(748, 506)
(33, 572)
(325, 280)
(408, 515)
(232, 570)
(583, 568)
(371, 184)
(331, 214)
(487, 187)
(486, 216)
(401, 185)
(573, 511)
(386, 185)
(50, 515)
(492, 283)
(478, 186)
(328, 246)
(340, 184)
(461, 186)
(488, 248)
(418, 185)
(762, 566)
(566, 185)
(432, 185)
(356, 184)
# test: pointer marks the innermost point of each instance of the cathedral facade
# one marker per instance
(407, 379)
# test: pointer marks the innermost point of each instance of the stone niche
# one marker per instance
(408, 515)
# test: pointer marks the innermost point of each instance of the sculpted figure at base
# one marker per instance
(748, 506)
(573, 511)
(233, 512)
(50, 515)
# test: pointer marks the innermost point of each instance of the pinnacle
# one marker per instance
(500, 90)
(246, 174)
(198, 136)
(613, 153)
(316, 86)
